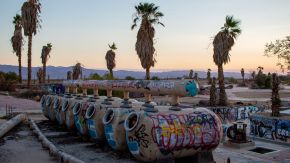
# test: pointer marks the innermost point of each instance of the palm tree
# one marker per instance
(222, 44)
(212, 98)
(17, 42)
(149, 15)
(110, 59)
(243, 76)
(195, 76)
(276, 102)
(190, 74)
(44, 57)
(40, 75)
(77, 71)
(253, 74)
(260, 70)
(30, 11)
(208, 76)
(69, 75)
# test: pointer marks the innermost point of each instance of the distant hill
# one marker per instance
(60, 72)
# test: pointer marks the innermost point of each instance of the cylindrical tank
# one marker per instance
(67, 109)
(92, 112)
(44, 108)
(57, 106)
(113, 121)
(49, 103)
(151, 136)
(79, 111)
(94, 116)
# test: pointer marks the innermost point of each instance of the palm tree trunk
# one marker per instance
(29, 60)
(111, 74)
(147, 73)
(243, 80)
(19, 67)
(222, 93)
(44, 72)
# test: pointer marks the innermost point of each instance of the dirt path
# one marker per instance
(20, 146)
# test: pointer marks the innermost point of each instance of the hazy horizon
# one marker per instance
(81, 32)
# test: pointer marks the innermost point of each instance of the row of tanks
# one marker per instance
(149, 131)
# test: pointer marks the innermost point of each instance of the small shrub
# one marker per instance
(8, 81)
(155, 78)
(232, 80)
(129, 78)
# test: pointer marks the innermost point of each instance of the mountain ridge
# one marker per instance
(59, 72)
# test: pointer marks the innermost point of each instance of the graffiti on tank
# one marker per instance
(132, 145)
(158, 85)
(191, 88)
(91, 128)
(78, 124)
(274, 129)
(140, 136)
(197, 129)
(283, 130)
(236, 113)
(137, 84)
(124, 85)
(84, 107)
(67, 120)
(109, 135)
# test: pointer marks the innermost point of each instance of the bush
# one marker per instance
(262, 81)
(95, 76)
(285, 79)
(8, 81)
(155, 78)
(129, 78)
(232, 80)
(31, 94)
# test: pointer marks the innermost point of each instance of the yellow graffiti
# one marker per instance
(175, 128)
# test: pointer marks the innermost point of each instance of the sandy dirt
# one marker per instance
(20, 146)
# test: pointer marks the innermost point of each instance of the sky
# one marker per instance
(80, 31)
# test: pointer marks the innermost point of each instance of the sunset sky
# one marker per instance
(81, 31)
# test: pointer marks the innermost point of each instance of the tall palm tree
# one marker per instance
(222, 44)
(253, 75)
(77, 71)
(40, 75)
(212, 97)
(44, 58)
(110, 59)
(243, 75)
(208, 76)
(69, 75)
(17, 42)
(30, 11)
(190, 74)
(260, 70)
(276, 102)
(149, 15)
(195, 76)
